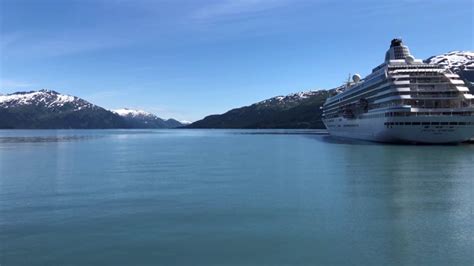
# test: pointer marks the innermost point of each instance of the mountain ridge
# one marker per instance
(142, 119)
(303, 109)
(49, 109)
(290, 111)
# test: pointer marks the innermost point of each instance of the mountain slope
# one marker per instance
(299, 110)
(455, 60)
(460, 62)
(302, 110)
(142, 119)
(50, 109)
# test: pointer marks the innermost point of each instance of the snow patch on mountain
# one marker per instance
(291, 98)
(142, 119)
(455, 60)
(44, 98)
(50, 109)
(132, 113)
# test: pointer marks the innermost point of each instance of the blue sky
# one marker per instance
(190, 58)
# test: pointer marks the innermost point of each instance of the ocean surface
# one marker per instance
(231, 197)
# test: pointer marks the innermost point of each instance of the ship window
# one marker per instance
(407, 123)
(416, 123)
(425, 123)
(453, 123)
(435, 123)
(462, 123)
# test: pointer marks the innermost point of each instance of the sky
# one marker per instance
(187, 59)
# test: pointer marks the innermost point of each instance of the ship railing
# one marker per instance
(422, 113)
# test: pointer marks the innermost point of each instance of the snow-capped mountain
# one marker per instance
(46, 99)
(143, 119)
(455, 60)
(290, 99)
(460, 62)
(51, 109)
(296, 110)
(302, 109)
(185, 122)
(133, 113)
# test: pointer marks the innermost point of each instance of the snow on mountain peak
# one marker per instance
(132, 112)
(45, 98)
(455, 60)
(185, 122)
(293, 97)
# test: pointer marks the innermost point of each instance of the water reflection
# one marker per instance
(39, 139)
(340, 140)
(281, 132)
(218, 195)
(414, 190)
(336, 140)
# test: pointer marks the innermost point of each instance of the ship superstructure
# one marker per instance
(402, 100)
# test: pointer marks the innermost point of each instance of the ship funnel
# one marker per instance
(396, 42)
(397, 51)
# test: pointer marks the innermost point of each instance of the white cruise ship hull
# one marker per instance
(402, 100)
(430, 130)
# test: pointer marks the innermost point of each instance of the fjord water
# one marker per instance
(231, 197)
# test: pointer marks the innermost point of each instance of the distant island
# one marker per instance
(48, 109)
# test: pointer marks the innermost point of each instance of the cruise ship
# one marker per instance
(403, 100)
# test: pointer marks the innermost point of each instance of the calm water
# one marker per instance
(224, 197)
